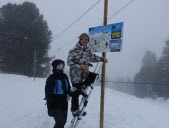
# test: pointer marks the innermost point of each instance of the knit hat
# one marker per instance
(56, 62)
(84, 35)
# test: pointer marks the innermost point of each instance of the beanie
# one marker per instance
(56, 62)
(83, 35)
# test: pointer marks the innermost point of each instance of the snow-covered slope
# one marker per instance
(22, 106)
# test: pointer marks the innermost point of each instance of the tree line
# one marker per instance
(154, 72)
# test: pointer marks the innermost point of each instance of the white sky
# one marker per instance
(145, 28)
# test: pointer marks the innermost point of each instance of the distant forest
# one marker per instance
(155, 71)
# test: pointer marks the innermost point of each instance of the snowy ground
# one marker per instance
(22, 106)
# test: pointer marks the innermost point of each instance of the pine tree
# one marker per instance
(163, 71)
(24, 30)
(147, 74)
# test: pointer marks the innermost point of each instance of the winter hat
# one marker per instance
(83, 35)
(56, 62)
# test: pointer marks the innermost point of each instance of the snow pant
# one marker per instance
(76, 94)
(60, 118)
(75, 101)
(80, 87)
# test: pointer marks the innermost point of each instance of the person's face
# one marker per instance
(84, 41)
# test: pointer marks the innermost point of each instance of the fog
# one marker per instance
(145, 28)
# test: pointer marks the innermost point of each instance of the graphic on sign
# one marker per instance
(106, 38)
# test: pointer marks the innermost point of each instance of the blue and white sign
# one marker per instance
(106, 38)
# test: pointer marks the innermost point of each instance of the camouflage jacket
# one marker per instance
(76, 58)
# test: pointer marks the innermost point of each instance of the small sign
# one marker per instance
(106, 38)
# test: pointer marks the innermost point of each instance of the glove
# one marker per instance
(73, 89)
(104, 60)
(50, 102)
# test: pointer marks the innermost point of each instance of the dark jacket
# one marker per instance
(56, 90)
